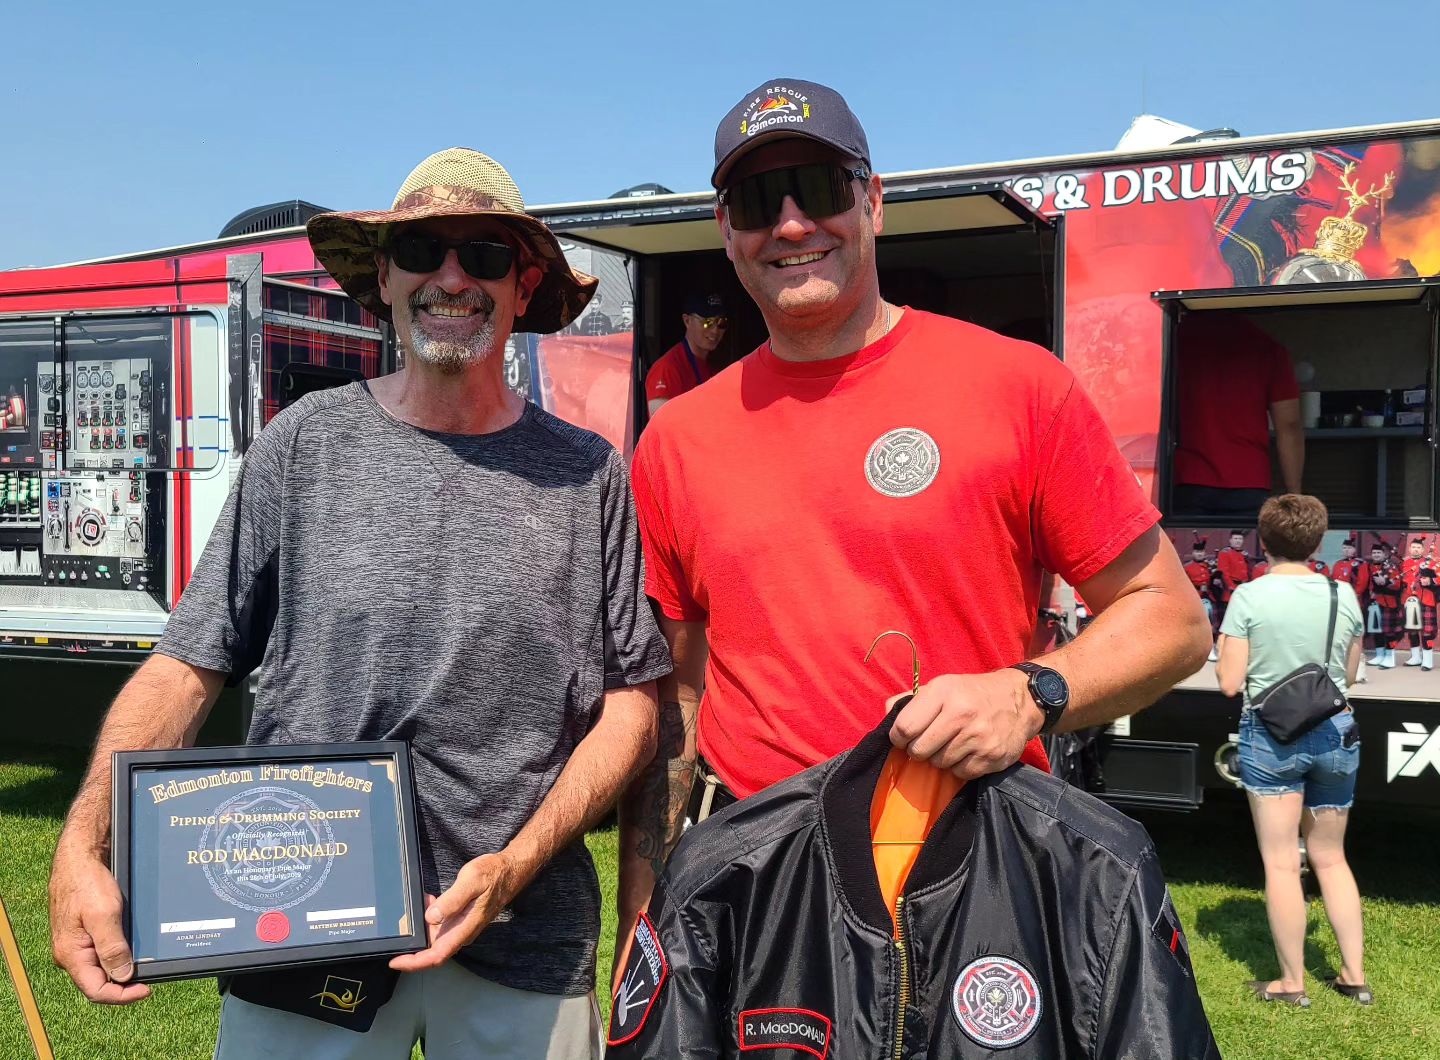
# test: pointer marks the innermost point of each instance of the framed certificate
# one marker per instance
(231, 859)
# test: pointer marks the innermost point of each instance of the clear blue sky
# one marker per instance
(127, 126)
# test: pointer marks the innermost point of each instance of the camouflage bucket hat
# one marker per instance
(457, 182)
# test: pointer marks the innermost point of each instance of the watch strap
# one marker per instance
(1052, 712)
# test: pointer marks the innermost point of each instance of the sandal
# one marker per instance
(1361, 994)
(1261, 989)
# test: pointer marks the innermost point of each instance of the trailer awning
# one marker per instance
(689, 227)
(1309, 294)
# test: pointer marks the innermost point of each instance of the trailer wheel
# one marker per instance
(1227, 762)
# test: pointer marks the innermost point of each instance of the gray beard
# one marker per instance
(452, 357)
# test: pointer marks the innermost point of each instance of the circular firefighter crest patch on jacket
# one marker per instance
(996, 1001)
(902, 462)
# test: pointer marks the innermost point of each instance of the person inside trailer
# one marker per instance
(1233, 382)
(691, 361)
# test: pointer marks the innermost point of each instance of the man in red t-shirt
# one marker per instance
(1232, 380)
(689, 362)
(874, 467)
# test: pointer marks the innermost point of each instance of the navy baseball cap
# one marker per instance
(705, 305)
(787, 107)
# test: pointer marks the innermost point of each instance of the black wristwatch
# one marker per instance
(1048, 689)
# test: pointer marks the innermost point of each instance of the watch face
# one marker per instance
(1051, 687)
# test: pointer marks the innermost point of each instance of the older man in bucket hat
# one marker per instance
(424, 557)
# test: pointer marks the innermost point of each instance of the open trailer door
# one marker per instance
(974, 251)
(1365, 355)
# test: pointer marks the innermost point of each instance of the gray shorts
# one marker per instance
(454, 1012)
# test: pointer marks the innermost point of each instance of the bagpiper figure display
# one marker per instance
(1354, 572)
(1385, 619)
(1429, 612)
(1234, 567)
(1418, 588)
(1203, 575)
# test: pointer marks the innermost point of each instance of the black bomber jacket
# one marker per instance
(1035, 923)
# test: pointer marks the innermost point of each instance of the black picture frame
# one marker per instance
(124, 864)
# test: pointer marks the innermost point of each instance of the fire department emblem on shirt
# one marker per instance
(902, 462)
(996, 1001)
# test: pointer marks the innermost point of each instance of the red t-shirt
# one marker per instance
(800, 510)
(675, 373)
(1229, 374)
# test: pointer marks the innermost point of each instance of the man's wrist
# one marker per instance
(520, 868)
(1048, 690)
(79, 842)
(1030, 713)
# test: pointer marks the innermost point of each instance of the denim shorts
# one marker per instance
(1319, 763)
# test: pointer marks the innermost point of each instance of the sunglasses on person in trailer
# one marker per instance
(420, 253)
(820, 189)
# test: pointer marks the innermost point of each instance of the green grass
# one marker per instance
(1213, 866)
(1209, 857)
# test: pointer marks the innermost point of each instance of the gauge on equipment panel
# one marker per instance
(90, 527)
(47, 384)
(108, 379)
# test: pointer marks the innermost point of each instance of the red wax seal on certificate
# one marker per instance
(272, 927)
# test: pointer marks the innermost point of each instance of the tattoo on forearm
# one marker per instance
(657, 800)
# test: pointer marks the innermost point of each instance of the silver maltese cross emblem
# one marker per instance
(902, 462)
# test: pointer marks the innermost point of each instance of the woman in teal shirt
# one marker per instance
(1275, 625)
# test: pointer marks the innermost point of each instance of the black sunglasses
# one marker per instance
(820, 189)
(419, 253)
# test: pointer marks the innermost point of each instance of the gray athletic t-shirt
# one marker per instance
(472, 594)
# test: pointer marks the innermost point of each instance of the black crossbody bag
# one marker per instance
(1303, 698)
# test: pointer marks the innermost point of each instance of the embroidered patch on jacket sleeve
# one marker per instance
(646, 970)
(1171, 935)
(785, 1028)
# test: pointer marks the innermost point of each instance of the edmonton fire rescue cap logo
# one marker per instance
(996, 1001)
(646, 970)
(778, 105)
